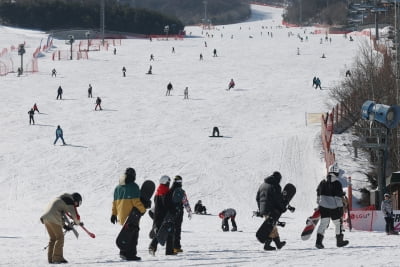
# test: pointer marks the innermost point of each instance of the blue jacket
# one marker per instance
(59, 132)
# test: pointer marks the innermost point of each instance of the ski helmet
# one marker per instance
(178, 179)
(333, 169)
(77, 198)
(130, 175)
(387, 195)
(277, 175)
(165, 179)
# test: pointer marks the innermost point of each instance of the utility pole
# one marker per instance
(102, 19)
(205, 11)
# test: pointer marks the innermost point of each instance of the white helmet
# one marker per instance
(333, 169)
(165, 179)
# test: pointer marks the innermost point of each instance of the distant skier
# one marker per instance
(387, 210)
(173, 50)
(186, 93)
(151, 57)
(169, 88)
(31, 113)
(330, 203)
(215, 53)
(348, 73)
(318, 83)
(98, 103)
(115, 51)
(123, 71)
(53, 73)
(90, 89)
(54, 221)
(150, 71)
(270, 205)
(59, 92)
(199, 208)
(314, 82)
(201, 56)
(35, 108)
(59, 134)
(215, 132)
(225, 215)
(231, 84)
(126, 198)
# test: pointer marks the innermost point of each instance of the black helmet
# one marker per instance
(277, 175)
(77, 198)
(130, 175)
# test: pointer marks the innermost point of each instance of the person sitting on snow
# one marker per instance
(199, 208)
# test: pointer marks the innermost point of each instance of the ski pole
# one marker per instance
(92, 235)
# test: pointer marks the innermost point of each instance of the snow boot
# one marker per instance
(340, 242)
(267, 245)
(318, 243)
(278, 242)
(234, 229)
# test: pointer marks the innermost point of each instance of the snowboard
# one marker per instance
(166, 229)
(311, 224)
(131, 225)
(216, 136)
(265, 229)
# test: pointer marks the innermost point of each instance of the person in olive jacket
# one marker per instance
(271, 205)
(127, 197)
(53, 219)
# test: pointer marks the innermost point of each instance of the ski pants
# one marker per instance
(31, 120)
(56, 243)
(59, 95)
(62, 139)
(326, 216)
(274, 232)
(389, 224)
(178, 229)
(225, 224)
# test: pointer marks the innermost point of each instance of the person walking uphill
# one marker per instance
(98, 103)
(31, 113)
(270, 205)
(330, 203)
(160, 211)
(59, 134)
(59, 92)
(53, 219)
(126, 198)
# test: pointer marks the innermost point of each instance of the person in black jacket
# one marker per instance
(160, 210)
(31, 113)
(330, 203)
(59, 92)
(271, 206)
(199, 208)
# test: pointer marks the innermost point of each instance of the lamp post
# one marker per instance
(87, 37)
(21, 52)
(166, 30)
(70, 42)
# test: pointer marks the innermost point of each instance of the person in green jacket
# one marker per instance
(127, 197)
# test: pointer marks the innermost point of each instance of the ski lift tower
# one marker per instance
(377, 138)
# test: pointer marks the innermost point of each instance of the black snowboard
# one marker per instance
(167, 228)
(265, 229)
(131, 225)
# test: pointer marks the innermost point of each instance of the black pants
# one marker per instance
(225, 224)
(31, 120)
(389, 224)
(178, 229)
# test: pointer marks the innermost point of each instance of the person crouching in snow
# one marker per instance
(231, 84)
(225, 215)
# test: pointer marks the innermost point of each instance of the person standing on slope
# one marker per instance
(270, 205)
(126, 198)
(31, 113)
(59, 92)
(59, 134)
(387, 210)
(177, 201)
(53, 219)
(330, 203)
(160, 210)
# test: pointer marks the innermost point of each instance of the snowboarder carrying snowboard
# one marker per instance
(330, 203)
(271, 206)
(225, 215)
(160, 210)
(54, 223)
(126, 198)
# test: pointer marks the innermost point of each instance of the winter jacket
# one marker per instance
(269, 197)
(176, 200)
(228, 213)
(330, 193)
(59, 132)
(126, 197)
(56, 209)
(160, 209)
(386, 208)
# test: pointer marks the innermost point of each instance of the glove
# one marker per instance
(318, 197)
(67, 228)
(190, 215)
(81, 224)
(113, 219)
